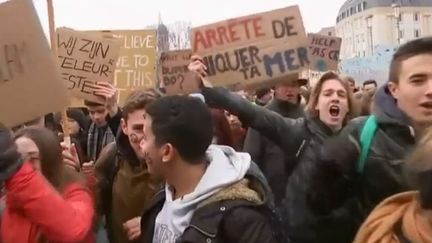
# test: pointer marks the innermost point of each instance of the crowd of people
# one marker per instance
(285, 164)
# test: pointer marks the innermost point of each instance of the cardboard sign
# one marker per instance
(30, 84)
(324, 52)
(254, 49)
(84, 60)
(174, 73)
(136, 65)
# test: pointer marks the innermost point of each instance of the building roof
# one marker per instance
(355, 6)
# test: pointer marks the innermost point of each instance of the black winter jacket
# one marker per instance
(269, 157)
(294, 136)
(331, 205)
(236, 214)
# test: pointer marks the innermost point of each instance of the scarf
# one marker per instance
(92, 141)
(401, 210)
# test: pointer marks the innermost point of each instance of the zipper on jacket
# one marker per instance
(300, 148)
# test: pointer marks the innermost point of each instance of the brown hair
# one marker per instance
(89, 103)
(314, 96)
(419, 158)
(418, 169)
(410, 49)
(349, 79)
(370, 81)
(51, 159)
(139, 100)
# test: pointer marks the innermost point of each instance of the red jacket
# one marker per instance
(33, 207)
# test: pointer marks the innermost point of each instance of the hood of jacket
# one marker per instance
(125, 149)
(225, 169)
(386, 109)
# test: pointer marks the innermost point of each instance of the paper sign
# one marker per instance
(136, 65)
(254, 49)
(86, 59)
(324, 52)
(30, 84)
(174, 73)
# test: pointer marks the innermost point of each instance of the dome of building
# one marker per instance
(351, 7)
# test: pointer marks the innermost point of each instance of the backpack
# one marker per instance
(366, 137)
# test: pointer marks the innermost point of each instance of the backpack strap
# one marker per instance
(366, 137)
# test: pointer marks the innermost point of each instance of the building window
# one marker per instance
(417, 33)
(351, 11)
(401, 34)
(359, 7)
(364, 5)
(364, 53)
(329, 33)
(416, 17)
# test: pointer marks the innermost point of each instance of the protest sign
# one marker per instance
(253, 49)
(86, 59)
(324, 52)
(174, 73)
(30, 84)
(136, 65)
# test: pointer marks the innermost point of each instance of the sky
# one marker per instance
(137, 14)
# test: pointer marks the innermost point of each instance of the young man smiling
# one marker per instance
(212, 193)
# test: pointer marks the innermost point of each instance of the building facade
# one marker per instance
(328, 31)
(365, 25)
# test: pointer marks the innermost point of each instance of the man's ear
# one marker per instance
(123, 126)
(394, 89)
(167, 152)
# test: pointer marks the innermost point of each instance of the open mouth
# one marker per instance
(427, 105)
(334, 110)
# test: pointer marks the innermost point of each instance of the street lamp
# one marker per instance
(397, 15)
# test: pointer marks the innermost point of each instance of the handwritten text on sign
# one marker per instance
(137, 62)
(324, 52)
(175, 75)
(12, 60)
(29, 80)
(253, 49)
(84, 60)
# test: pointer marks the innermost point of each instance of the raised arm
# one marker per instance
(110, 93)
(275, 127)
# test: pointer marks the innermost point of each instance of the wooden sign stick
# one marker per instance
(65, 124)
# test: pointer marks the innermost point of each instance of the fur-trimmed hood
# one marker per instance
(242, 190)
(245, 186)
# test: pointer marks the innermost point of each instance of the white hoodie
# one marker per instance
(226, 167)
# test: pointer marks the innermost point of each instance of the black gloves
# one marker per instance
(10, 159)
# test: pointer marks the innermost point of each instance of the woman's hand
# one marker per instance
(70, 156)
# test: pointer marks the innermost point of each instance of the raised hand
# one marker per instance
(133, 228)
(110, 93)
(70, 156)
